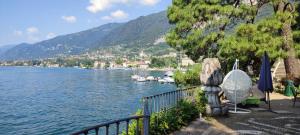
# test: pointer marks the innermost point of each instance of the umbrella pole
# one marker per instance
(269, 100)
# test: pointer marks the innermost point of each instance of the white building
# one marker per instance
(186, 61)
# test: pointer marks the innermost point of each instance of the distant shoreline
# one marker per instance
(148, 69)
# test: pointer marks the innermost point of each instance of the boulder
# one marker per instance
(211, 94)
(256, 92)
(211, 74)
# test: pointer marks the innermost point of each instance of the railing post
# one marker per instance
(146, 119)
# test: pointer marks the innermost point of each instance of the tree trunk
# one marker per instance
(291, 63)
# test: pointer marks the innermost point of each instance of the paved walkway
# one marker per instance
(286, 120)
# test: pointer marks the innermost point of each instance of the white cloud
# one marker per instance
(18, 33)
(50, 35)
(69, 19)
(149, 2)
(32, 30)
(100, 5)
(32, 34)
(118, 14)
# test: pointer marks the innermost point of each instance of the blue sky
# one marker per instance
(35, 20)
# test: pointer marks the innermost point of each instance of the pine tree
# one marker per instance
(203, 29)
(200, 24)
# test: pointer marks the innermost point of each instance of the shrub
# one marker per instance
(132, 126)
(168, 121)
(190, 77)
(173, 119)
(201, 101)
(163, 62)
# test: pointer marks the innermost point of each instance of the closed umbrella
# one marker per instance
(265, 78)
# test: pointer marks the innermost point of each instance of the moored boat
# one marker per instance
(162, 80)
(150, 78)
(169, 77)
(135, 77)
(141, 79)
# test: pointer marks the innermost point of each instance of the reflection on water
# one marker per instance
(64, 100)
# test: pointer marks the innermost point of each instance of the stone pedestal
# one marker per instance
(211, 77)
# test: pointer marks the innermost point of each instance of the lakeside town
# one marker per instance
(150, 67)
(108, 61)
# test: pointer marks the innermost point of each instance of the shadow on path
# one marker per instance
(260, 121)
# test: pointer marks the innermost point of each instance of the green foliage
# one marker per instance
(201, 101)
(107, 64)
(201, 28)
(169, 121)
(119, 61)
(296, 32)
(189, 78)
(163, 62)
(158, 50)
(249, 42)
(173, 119)
(87, 63)
(200, 24)
(132, 126)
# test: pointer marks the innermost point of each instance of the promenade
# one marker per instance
(285, 120)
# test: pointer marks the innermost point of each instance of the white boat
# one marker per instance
(150, 78)
(169, 74)
(141, 79)
(135, 77)
(169, 79)
(162, 80)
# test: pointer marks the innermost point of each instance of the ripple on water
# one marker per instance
(63, 100)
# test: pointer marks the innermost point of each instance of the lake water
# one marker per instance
(58, 101)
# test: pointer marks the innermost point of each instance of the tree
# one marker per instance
(163, 62)
(288, 16)
(188, 78)
(229, 30)
(274, 34)
(119, 61)
(200, 24)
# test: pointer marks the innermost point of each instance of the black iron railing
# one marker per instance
(155, 103)
(107, 125)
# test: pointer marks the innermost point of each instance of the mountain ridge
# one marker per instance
(142, 31)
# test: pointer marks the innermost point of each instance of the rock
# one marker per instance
(211, 74)
(216, 111)
(256, 92)
(225, 110)
(208, 110)
(211, 94)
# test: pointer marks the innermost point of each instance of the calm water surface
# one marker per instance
(58, 101)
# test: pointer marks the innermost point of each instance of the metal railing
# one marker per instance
(155, 103)
(145, 118)
(164, 101)
(107, 125)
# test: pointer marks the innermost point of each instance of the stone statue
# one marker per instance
(211, 77)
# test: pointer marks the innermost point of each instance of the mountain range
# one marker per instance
(143, 32)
